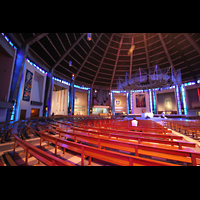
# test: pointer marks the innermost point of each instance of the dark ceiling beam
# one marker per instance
(36, 58)
(91, 50)
(21, 36)
(67, 52)
(86, 43)
(65, 69)
(131, 58)
(60, 41)
(68, 38)
(146, 50)
(102, 59)
(53, 46)
(166, 51)
(192, 42)
(83, 48)
(116, 61)
(35, 38)
(180, 53)
(46, 51)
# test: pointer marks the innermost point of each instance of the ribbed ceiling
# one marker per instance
(100, 61)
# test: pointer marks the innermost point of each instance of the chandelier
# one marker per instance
(154, 78)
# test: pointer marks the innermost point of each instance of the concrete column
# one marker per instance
(17, 73)
(178, 100)
(71, 102)
(48, 94)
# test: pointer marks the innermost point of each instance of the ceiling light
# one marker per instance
(89, 36)
(131, 50)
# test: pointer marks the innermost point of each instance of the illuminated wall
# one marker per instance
(166, 102)
(120, 103)
(81, 103)
(59, 104)
(60, 98)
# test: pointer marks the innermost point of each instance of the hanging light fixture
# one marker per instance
(70, 63)
(131, 50)
(89, 36)
(72, 76)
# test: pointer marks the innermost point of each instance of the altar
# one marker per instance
(149, 114)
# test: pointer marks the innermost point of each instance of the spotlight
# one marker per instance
(131, 50)
(89, 36)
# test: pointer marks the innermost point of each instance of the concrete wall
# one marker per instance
(192, 98)
(37, 91)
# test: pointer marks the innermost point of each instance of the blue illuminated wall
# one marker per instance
(127, 102)
(154, 103)
(184, 99)
(19, 96)
(9, 41)
(131, 101)
(111, 97)
(150, 100)
(178, 100)
(89, 96)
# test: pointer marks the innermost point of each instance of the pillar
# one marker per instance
(178, 101)
(48, 94)
(127, 102)
(111, 102)
(154, 102)
(150, 100)
(184, 98)
(89, 100)
(17, 76)
(198, 95)
(131, 101)
(71, 97)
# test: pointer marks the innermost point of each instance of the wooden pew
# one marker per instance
(141, 134)
(180, 144)
(137, 128)
(108, 132)
(101, 154)
(172, 154)
(38, 153)
(184, 126)
(126, 125)
(147, 141)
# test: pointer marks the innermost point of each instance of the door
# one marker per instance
(23, 114)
